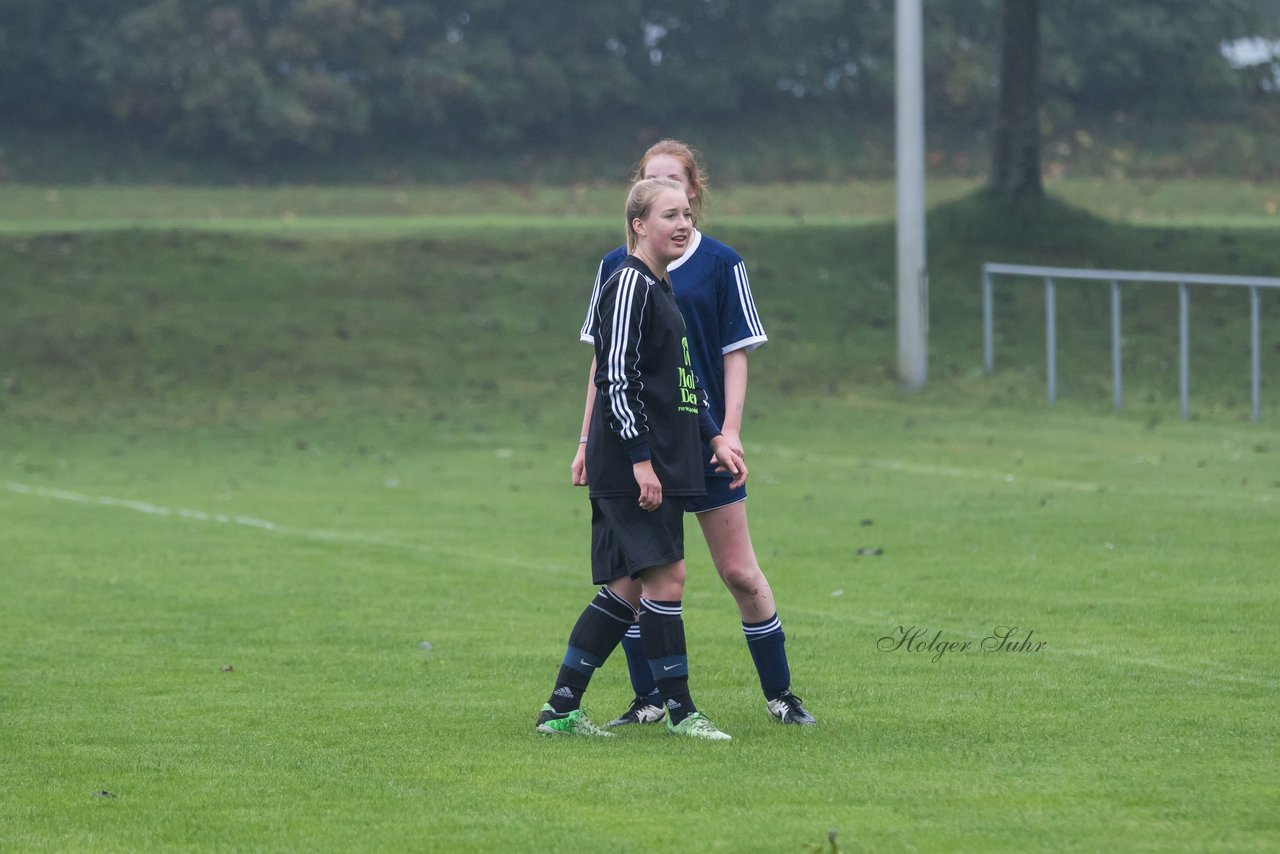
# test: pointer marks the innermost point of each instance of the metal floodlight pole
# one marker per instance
(1255, 352)
(1184, 348)
(913, 274)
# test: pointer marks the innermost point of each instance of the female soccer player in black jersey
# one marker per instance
(644, 459)
(714, 295)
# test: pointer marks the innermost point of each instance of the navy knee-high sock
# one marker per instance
(599, 629)
(768, 649)
(638, 666)
(662, 633)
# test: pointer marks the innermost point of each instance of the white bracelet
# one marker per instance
(582, 441)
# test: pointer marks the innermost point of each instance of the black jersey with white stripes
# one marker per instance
(648, 402)
(714, 295)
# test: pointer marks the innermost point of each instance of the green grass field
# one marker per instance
(245, 474)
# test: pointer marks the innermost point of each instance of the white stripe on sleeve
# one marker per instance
(588, 331)
(619, 347)
(748, 303)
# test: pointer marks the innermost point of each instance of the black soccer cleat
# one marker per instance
(789, 709)
(641, 712)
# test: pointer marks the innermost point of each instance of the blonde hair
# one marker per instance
(640, 200)
(689, 158)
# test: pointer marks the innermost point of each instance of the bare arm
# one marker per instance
(735, 398)
(578, 469)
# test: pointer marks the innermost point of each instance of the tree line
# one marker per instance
(257, 78)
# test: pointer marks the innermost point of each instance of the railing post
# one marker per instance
(1051, 339)
(1184, 347)
(1048, 275)
(988, 323)
(1115, 344)
(1255, 349)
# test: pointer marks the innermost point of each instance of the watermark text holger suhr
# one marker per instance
(920, 640)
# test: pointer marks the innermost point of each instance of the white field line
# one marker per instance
(926, 470)
(936, 471)
(1006, 477)
(322, 534)
(1210, 671)
(140, 506)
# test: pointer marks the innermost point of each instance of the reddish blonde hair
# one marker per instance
(690, 159)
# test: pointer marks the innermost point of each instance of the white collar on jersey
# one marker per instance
(688, 252)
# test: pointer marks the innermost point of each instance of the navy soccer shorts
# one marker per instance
(718, 495)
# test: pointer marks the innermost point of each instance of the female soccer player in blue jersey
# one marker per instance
(711, 288)
(645, 460)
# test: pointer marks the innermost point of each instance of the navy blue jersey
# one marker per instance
(711, 288)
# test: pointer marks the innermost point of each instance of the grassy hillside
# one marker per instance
(201, 326)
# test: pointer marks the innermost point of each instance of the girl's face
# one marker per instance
(666, 166)
(663, 234)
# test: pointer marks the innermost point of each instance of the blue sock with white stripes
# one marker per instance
(599, 629)
(638, 666)
(768, 649)
(662, 634)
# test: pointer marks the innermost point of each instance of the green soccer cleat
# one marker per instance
(697, 725)
(568, 723)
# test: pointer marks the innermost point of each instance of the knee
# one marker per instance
(627, 588)
(666, 584)
(745, 577)
(672, 582)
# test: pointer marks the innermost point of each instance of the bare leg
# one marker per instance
(662, 582)
(627, 588)
(729, 541)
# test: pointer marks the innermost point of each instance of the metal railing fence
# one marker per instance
(1183, 280)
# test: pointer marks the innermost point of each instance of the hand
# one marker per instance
(727, 459)
(735, 443)
(650, 486)
(578, 470)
